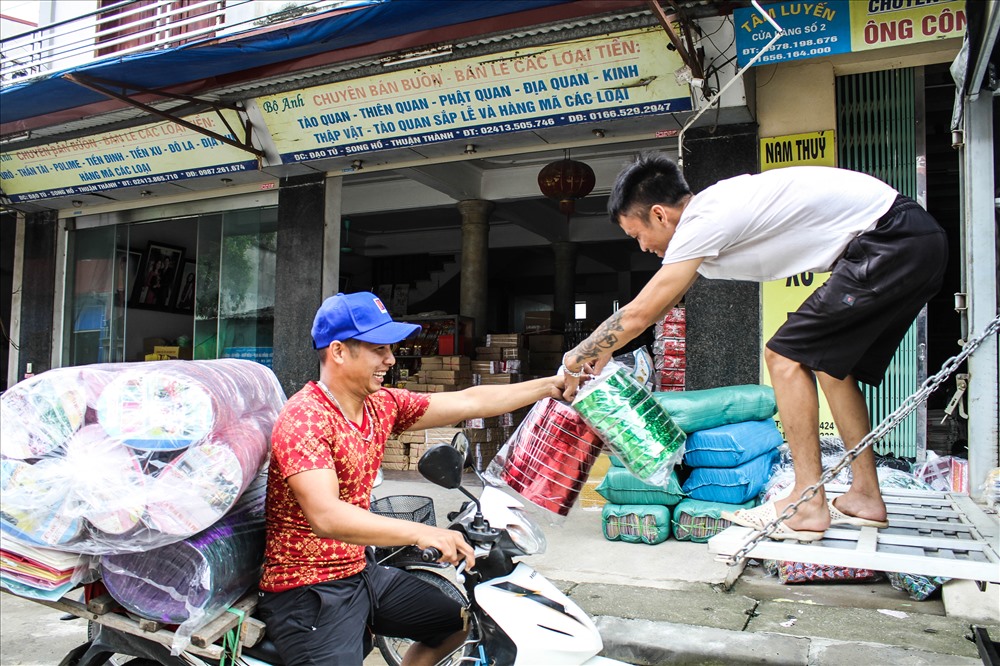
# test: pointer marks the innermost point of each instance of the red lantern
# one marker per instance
(566, 181)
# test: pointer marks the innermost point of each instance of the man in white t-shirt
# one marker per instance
(887, 256)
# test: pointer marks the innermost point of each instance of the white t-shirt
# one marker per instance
(778, 223)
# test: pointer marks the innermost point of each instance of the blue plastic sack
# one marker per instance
(731, 445)
(733, 485)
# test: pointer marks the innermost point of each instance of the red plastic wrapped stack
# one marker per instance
(549, 456)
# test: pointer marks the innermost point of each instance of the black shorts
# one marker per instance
(328, 623)
(853, 324)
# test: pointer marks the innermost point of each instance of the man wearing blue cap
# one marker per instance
(319, 594)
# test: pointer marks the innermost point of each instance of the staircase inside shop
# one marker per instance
(425, 274)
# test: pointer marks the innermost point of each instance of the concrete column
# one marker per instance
(475, 256)
(723, 316)
(38, 290)
(564, 294)
(299, 278)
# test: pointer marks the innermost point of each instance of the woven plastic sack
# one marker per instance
(699, 521)
(620, 487)
(636, 524)
(710, 408)
(731, 445)
(732, 485)
(803, 572)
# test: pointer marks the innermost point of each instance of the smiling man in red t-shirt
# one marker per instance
(319, 593)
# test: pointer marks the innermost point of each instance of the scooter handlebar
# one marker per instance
(431, 554)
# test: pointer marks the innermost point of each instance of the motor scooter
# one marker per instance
(516, 616)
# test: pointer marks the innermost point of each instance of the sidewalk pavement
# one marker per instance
(671, 603)
(668, 603)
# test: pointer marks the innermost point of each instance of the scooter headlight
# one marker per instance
(525, 534)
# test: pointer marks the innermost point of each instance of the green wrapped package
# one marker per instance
(635, 428)
(636, 523)
(710, 408)
(619, 487)
(698, 520)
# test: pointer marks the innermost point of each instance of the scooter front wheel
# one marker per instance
(393, 649)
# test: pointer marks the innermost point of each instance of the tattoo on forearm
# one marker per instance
(604, 338)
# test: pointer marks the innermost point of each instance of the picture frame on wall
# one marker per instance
(158, 274)
(126, 273)
(186, 288)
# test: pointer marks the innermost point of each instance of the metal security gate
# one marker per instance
(880, 131)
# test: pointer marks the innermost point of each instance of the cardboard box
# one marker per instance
(546, 342)
(173, 352)
(504, 340)
(543, 321)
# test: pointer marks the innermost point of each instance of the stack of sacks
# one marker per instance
(636, 512)
(117, 459)
(731, 447)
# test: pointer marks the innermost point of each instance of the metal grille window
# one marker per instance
(880, 132)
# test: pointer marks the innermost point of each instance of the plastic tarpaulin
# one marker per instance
(361, 23)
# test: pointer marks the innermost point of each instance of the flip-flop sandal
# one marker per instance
(758, 518)
(838, 517)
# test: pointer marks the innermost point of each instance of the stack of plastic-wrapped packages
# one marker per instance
(149, 475)
(730, 449)
(645, 444)
(549, 457)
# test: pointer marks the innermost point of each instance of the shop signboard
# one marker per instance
(819, 29)
(779, 297)
(606, 77)
(134, 157)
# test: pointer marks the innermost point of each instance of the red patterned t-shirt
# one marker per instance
(310, 433)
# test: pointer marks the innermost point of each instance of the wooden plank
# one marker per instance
(215, 628)
(102, 604)
(125, 624)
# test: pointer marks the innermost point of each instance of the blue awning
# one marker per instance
(365, 22)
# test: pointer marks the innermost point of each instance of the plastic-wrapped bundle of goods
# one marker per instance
(731, 445)
(634, 427)
(698, 520)
(619, 487)
(731, 485)
(548, 458)
(917, 586)
(804, 572)
(126, 457)
(711, 408)
(42, 573)
(669, 351)
(189, 582)
(636, 523)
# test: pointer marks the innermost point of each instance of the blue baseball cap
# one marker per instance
(358, 316)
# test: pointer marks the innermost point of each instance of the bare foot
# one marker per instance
(812, 515)
(861, 506)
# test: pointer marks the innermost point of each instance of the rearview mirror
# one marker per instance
(461, 444)
(442, 465)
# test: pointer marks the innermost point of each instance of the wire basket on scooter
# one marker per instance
(404, 507)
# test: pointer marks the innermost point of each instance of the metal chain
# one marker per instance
(929, 386)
